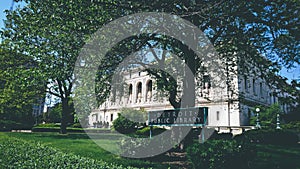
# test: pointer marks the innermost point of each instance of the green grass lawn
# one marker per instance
(82, 145)
(273, 156)
(268, 156)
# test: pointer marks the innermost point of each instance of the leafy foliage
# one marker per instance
(54, 114)
(17, 93)
(129, 120)
(133, 147)
(215, 154)
(146, 131)
(8, 125)
(17, 153)
(294, 125)
(267, 116)
(52, 34)
(275, 137)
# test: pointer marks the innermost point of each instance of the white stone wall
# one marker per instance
(215, 97)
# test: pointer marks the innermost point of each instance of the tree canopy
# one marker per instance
(18, 94)
(52, 33)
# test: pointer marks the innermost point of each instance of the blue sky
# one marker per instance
(6, 4)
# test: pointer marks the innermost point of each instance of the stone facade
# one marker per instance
(231, 96)
(228, 107)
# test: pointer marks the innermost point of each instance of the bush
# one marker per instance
(146, 131)
(56, 129)
(17, 153)
(220, 154)
(76, 125)
(129, 120)
(221, 136)
(48, 125)
(295, 125)
(141, 147)
(276, 137)
(8, 125)
(123, 125)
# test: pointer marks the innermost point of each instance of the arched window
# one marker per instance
(149, 90)
(139, 92)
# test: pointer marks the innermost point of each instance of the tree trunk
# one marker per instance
(189, 96)
(187, 100)
(64, 116)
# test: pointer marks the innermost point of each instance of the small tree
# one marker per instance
(129, 120)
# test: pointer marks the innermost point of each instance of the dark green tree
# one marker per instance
(52, 33)
(17, 93)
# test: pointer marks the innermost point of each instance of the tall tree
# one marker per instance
(52, 32)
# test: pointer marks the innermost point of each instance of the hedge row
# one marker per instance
(146, 131)
(8, 125)
(55, 129)
(71, 130)
(17, 153)
(295, 125)
(275, 137)
(45, 125)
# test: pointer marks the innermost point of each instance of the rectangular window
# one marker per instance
(261, 90)
(246, 83)
(218, 115)
(254, 87)
(112, 117)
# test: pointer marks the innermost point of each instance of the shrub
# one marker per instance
(76, 125)
(276, 137)
(146, 131)
(295, 125)
(129, 120)
(17, 153)
(56, 129)
(48, 125)
(123, 125)
(220, 154)
(221, 136)
(8, 125)
(141, 147)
